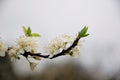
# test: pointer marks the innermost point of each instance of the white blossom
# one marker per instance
(59, 43)
(27, 44)
(3, 48)
(12, 54)
(23, 44)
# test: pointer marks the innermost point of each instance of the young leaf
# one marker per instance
(83, 32)
(24, 30)
(29, 31)
(35, 35)
(85, 35)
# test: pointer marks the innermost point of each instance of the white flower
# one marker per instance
(26, 44)
(12, 54)
(23, 44)
(59, 43)
(2, 48)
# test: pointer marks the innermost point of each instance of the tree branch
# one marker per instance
(82, 33)
(36, 54)
(56, 55)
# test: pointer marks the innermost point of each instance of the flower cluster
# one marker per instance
(27, 46)
(3, 48)
(23, 44)
(60, 43)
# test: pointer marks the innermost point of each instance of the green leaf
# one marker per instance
(24, 30)
(86, 35)
(35, 35)
(83, 32)
(29, 31)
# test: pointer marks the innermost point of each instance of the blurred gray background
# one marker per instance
(50, 18)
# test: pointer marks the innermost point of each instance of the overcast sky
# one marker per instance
(51, 18)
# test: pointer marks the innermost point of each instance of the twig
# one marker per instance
(56, 55)
(35, 54)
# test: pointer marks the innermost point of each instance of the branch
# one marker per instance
(81, 34)
(54, 56)
(36, 54)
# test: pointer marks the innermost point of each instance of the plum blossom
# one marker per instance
(3, 48)
(61, 43)
(23, 43)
